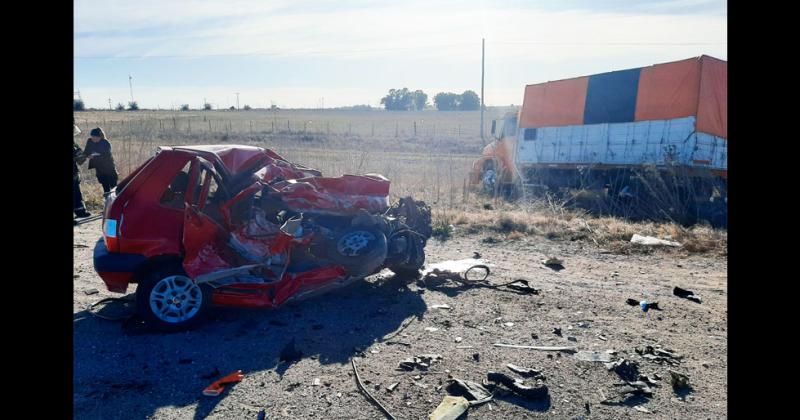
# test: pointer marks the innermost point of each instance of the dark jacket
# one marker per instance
(103, 164)
(77, 159)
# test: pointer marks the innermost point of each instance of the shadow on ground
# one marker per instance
(145, 371)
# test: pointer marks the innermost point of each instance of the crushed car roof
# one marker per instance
(234, 157)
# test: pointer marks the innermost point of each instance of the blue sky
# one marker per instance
(294, 53)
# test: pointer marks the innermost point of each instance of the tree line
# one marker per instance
(406, 100)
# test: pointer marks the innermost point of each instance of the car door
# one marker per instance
(204, 239)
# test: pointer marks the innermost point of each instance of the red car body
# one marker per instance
(145, 224)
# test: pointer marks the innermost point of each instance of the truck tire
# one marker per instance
(168, 300)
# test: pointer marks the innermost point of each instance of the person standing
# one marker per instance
(98, 149)
(78, 157)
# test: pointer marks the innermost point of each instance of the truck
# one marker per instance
(609, 132)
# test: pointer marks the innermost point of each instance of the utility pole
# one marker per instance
(483, 58)
(237, 100)
(130, 81)
(109, 105)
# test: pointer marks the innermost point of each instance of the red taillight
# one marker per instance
(111, 234)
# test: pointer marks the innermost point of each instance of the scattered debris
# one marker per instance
(262, 415)
(635, 388)
(508, 324)
(218, 386)
(659, 355)
(367, 394)
(686, 294)
(593, 356)
(648, 380)
(316, 382)
(474, 393)
(640, 408)
(552, 261)
(476, 357)
(422, 361)
(626, 369)
(526, 372)
(557, 331)
(450, 408)
(476, 255)
(571, 338)
(431, 329)
(679, 381)
(651, 241)
(457, 339)
(518, 386)
(522, 286)
(645, 305)
(391, 387)
(542, 348)
(442, 306)
(91, 291)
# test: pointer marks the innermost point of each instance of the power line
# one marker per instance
(383, 50)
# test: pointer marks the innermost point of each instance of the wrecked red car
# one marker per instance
(241, 226)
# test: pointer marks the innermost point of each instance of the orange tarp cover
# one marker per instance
(554, 103)
(668, 91)
(712, 109)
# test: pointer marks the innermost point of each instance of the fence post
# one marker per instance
(288, 127)
(396, 127)
(373, 129)
(190, 126)
(415, 129)
(209, 124)
(251, 127)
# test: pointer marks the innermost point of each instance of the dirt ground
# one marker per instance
(129, 373)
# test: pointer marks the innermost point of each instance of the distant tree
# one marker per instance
(120, 107)
(185, 107)
(447, 101)
(133, 106)
(420, 100)
(274, 107)
(398, 100)
(232, 108)
(469, 101)
(207, 106)
(77, 105)
(247, 108)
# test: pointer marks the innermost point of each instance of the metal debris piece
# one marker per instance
(450, 408)
(557, 331)
(541, 348)
(635, 388)
(422, 361)
(626, 369)
(431, 329)
(593, 356)
(526, 372)
(640, 408)
(458, 339)
(91, 291)
(679, 380)
(552, 261)
(659, 355)
(441, 306)
(518, 387)
(686, 294)
(475, 393)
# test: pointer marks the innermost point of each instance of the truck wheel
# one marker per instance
(169, 300)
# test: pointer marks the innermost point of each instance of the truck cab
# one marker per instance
(494, 171)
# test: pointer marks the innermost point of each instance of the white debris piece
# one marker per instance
(651, 241)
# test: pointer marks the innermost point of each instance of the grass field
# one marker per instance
(426, 154)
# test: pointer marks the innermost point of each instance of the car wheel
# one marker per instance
(170, 301)
(361, 251)
(410, 268)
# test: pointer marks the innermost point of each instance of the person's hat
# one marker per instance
(98, 132)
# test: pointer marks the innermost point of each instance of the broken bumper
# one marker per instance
(115, 269)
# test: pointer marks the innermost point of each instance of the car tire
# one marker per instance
(189, 302)
(361, 251)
